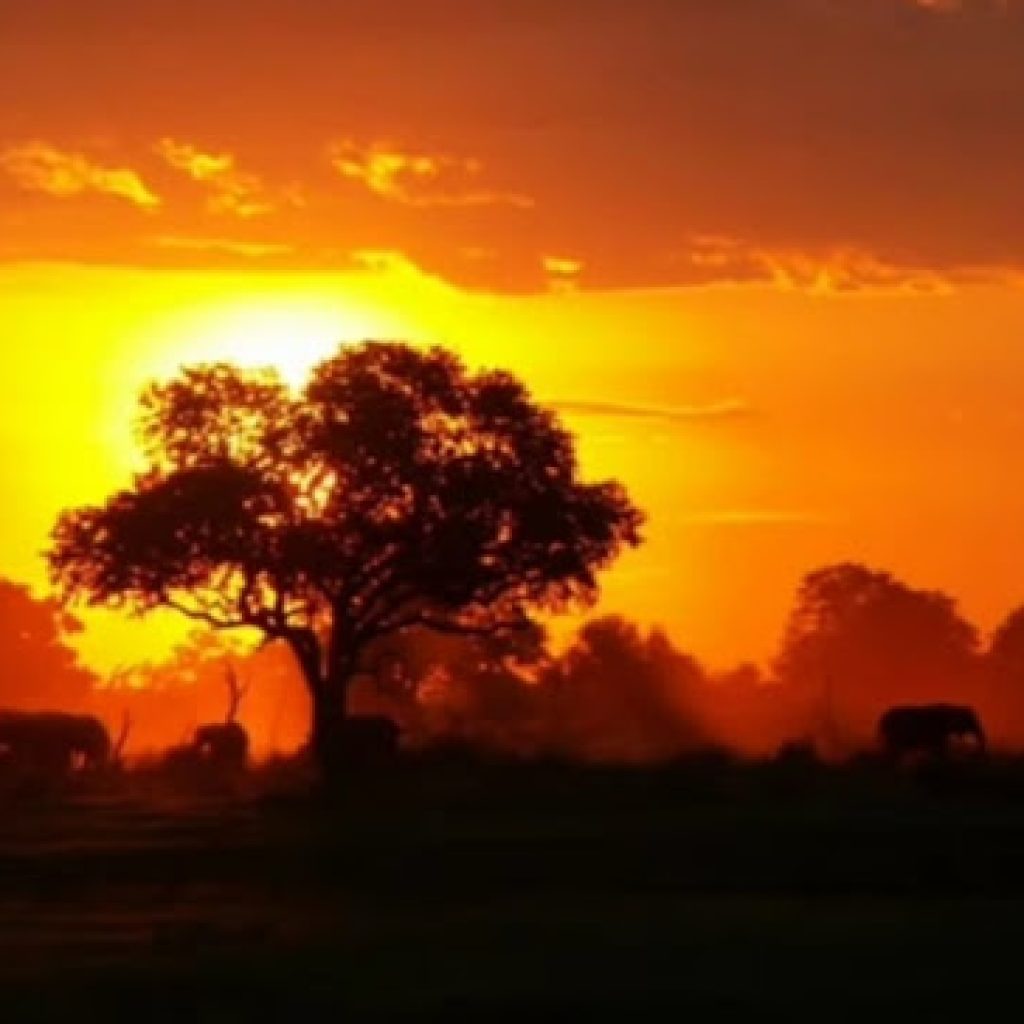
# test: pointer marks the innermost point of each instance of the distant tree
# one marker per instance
(1005, 652)
(41, 669)
(398, 490)
(443, 687)
(859, 639)
(203, 652)
(1004, 678)
(169, 697)
(746, 710)
(619, 694)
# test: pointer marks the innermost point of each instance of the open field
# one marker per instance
(449, 889)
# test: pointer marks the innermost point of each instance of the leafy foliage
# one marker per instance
(42, 669)
(865, 639)
(398, 490)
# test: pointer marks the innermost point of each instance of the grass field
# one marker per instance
(453, 889)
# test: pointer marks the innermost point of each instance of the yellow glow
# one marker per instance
(290, 334)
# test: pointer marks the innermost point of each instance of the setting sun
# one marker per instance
(290, 334)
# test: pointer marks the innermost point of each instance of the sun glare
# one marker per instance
(287, 330)
(290, 335)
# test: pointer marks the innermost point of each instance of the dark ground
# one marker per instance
(465, 891)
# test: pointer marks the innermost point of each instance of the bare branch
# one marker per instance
(201, 615)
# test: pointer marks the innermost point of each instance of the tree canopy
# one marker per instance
(863, 638)
(396, 490)
(42, 669)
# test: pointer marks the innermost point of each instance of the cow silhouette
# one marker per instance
(929, 729)
(54, 742)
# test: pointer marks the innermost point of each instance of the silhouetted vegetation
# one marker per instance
(858, 637)
(399, 490)
(858, 643)
(604, 823)
(41, 669)
(390, 534)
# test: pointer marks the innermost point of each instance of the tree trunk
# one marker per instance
(328, 727)
(328, 692)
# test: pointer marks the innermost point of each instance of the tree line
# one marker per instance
(406, 520)
(857, 641)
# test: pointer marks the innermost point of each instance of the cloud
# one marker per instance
(725, 409)
(231, 247)
(833, 146)
(41, 167)
(232, 191)
(419, 179)
(759, 518)
(829, 272)
(561, 266)
(960, 6)
(563, 273)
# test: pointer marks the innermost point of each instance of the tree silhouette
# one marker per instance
(859, 639)
(1003, 702)
(41, 670)
(1005, 652)
(472, 689)
(397, 490)
(618, 694)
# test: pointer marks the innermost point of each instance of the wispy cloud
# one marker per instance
(42, 167)
(760, 518)
(956, 6)
(227, 246)
(725, 409)
(232, 191)
(560, 266)
(419, 179)
(835, 271)
(384, 261)
(563, 272)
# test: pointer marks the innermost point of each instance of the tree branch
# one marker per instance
(199, 615)
(450, 627)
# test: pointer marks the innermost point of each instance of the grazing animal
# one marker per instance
(222, 745)
(929, 729)
(217, 747)
(181, 757)
(54, 742)
(368, 740)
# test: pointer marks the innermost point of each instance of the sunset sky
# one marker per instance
(767, 256)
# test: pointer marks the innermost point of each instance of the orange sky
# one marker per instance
(766, 254)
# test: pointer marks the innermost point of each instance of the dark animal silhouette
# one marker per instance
(54, 742)
(222, 745)
(217, 746)
(366, 741)
(928, 729)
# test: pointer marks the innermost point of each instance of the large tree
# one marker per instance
(397, 490)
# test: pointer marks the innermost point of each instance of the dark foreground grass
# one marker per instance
(454, 889)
